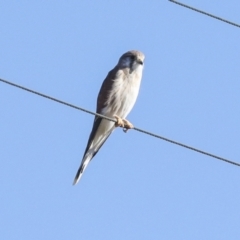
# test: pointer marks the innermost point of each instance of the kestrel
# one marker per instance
(116, 98)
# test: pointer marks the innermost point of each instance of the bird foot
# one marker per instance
(119, 122)
(125, 124)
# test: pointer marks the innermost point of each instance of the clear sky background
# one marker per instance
(137, 186)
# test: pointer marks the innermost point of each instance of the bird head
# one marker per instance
(132, 60)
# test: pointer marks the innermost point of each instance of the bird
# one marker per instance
(116, 99)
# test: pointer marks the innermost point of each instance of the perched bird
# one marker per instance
(116, 98)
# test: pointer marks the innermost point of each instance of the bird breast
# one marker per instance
(124, 93)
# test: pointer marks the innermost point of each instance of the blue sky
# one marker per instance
(137, 186)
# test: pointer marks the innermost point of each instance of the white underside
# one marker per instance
(120, 102)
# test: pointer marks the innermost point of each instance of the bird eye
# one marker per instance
(132, 57)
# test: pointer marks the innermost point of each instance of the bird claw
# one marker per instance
(119, 122)
(125, 124)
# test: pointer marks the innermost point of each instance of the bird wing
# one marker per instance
(102, 128)
(102, 103)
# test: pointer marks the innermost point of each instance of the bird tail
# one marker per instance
(86, 159)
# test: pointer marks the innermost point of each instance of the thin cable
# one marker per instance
(57, 100)
(208, 14)
(114, 120)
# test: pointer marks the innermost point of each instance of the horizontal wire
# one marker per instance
(114, 120)
(208, 14)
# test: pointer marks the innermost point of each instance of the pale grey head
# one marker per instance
(133, 60)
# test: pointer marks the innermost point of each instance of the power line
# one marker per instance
(208, 14)
(114, 120)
